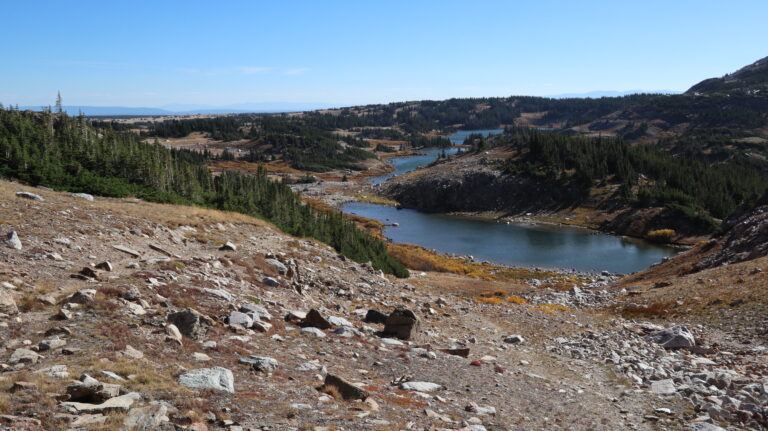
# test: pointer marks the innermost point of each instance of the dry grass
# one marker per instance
(373, 199)
(661, 235)
(551, 308)
(418, 258)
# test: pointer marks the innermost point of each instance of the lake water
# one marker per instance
(429, 155)
(507, 244)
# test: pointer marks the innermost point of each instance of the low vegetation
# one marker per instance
(65, 153)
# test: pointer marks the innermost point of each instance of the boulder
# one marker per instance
(23, 356)
(271, 282)
(12, 240)
(106, 266)
(82, 296)
(260, 363)
(279, 266)
(674, 337)
(258, 310)
(89, 272)
(663, 387)
(339, 321)
(313, 331)
(7, 303)
(375, 316)
(190, 323)
(421, 386)
(346, 390)
(238, 318)
(402, 324)
(51, 343)
(85, 196)
(117, 404)
(147, 418)
(90, 390)
(315, 320)
(218, 378)
(31, 196)
(172, 333)
(228, 246)
(514, 339)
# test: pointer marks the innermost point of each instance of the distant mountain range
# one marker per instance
(179, 109)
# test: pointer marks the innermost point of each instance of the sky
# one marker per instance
(156, 53)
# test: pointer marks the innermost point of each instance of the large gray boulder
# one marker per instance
(7, 304)
(674, 337)
(218, 378)
(191, 323)
(402, 324)
(260, 363)
(28, 195)
(12, 240)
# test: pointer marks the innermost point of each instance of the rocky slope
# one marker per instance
(119, 314)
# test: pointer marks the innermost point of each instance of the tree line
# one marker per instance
(67, 153)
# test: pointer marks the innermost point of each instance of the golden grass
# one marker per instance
(420, 259)
(373, 199)
(661, 235)
(516, 300)
(551, 308)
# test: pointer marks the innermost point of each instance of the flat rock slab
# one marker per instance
(663, 387)
(421, 386)
(28, 195)
(121, 403)
(218, 378)
(127, 250)
(146, 418)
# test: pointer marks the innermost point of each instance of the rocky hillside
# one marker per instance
(474, 183)
(751, 79)
(119, 314)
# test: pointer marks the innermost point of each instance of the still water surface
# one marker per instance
(508, 244)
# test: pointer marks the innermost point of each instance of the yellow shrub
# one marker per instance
(661, 235)
(493, 300)
(516, 300)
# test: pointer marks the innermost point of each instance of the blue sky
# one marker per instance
(153, 53)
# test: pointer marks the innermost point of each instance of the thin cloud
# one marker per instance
(252, 70)
(296, 71)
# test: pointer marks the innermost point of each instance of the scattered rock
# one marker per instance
(147, 418)
(218, 378)
(23, 356)
(7, 303)
(190, 323)
(106, 266)
(674, 337)
(315, 320)
(85, 196)
(313, 331)
(402, 324)
(12, 240)
(375, 316)
(50, 344)
(260, 363)
(116, 404)
(82, 296)
(343, 388)
(271, 282)
(28, 195)
(514, 339)
(421, 386)
(228, 246)
(127, 250)
(663, 387)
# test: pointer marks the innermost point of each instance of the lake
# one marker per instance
(515, 244)
(507, 244)
(429, 155)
